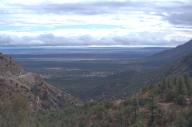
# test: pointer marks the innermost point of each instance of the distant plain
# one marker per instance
(83, 71)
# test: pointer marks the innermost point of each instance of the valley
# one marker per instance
(154, 94)
(85, 71)
(96, 63)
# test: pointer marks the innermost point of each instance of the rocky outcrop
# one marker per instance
(9, 67)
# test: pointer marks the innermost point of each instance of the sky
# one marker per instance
(95, 22)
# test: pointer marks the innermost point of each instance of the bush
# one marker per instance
(180, 100)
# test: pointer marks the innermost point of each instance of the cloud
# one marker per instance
(95, 22)
(132, 39)
(94, 8)
(181, 15)
(44, 39)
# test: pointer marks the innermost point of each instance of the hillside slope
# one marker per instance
(174, 54)
(182, 66)
(8, 67)
(40, 95)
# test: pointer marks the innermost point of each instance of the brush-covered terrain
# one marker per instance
(165, 104)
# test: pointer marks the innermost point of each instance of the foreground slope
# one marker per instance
(15, 81)
(164, 104)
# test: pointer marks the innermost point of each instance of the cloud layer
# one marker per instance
(106, 22)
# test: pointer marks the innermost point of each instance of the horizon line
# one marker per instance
(89, 46)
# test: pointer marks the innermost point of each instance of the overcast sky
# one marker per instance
(95, 22)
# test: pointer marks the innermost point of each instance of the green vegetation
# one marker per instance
(166, 104)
